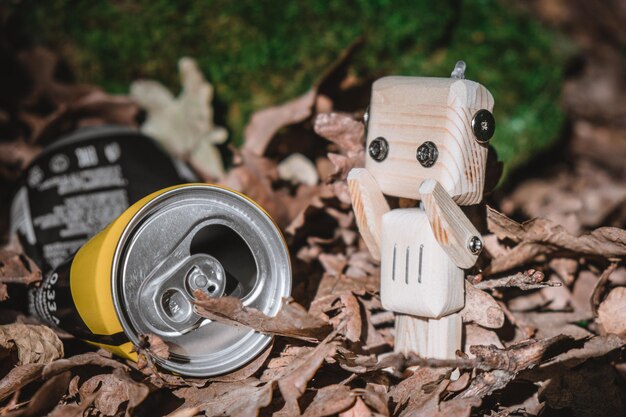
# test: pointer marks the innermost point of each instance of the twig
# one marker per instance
(528, 280)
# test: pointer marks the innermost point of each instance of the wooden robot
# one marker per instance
(426, 140)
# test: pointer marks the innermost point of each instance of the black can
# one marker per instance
(81, 183)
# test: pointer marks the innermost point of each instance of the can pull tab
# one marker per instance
(166, 300)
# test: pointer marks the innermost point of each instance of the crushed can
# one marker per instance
(138, 275)
(81, 182)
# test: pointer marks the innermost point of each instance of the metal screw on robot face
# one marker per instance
(475, 245)
(483, 125)
(427, 154)
(378, 149)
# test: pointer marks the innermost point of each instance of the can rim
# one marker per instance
(263, 340)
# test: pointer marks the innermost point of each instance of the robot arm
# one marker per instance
(369, 205)
(456, 235)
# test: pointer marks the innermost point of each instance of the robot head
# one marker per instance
(420, 128)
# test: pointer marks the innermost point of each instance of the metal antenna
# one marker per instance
(459, 70)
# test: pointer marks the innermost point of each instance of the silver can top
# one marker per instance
(199, 237)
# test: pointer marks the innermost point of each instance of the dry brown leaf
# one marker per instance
(297, 374)
(15, 267)
(376, 398)
(72, 410)
(589, 390)
(338, 284)
(565, 268)
(329, 401)
(113, 390)
(256, 177)
(345, 311)
(292, 319)
(32, 343)
(265, 123)
(407, 390)
(581, 294)
(349, 135)
(594, 347)
(84, 359)
(423, 397)
(460, 383)
(351, 314)
(46, 397)
(185, 412)
(19, 377)
(612, 313)
(478, 335)
(244, 398)
(576, 199)
(481, 308)
(541, 237)
(359, 409)
(15, 156)
(80, 102)
(277, 366)
(599, 287)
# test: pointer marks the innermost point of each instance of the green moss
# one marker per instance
(259, 53)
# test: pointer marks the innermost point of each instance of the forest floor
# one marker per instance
(545, 315)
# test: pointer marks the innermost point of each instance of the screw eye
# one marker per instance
(475, 245)
(378, 149)
(483, 125)
(427, 154)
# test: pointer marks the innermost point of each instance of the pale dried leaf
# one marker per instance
(612, 313)
(265, 123)
(184, 125)
(481, 308)
(298, 169)
(478, 335)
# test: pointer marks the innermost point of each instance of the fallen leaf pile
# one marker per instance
(545, 311)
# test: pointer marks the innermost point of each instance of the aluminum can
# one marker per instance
(138, 275)
(82, 182)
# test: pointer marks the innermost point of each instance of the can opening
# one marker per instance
(232, 251)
